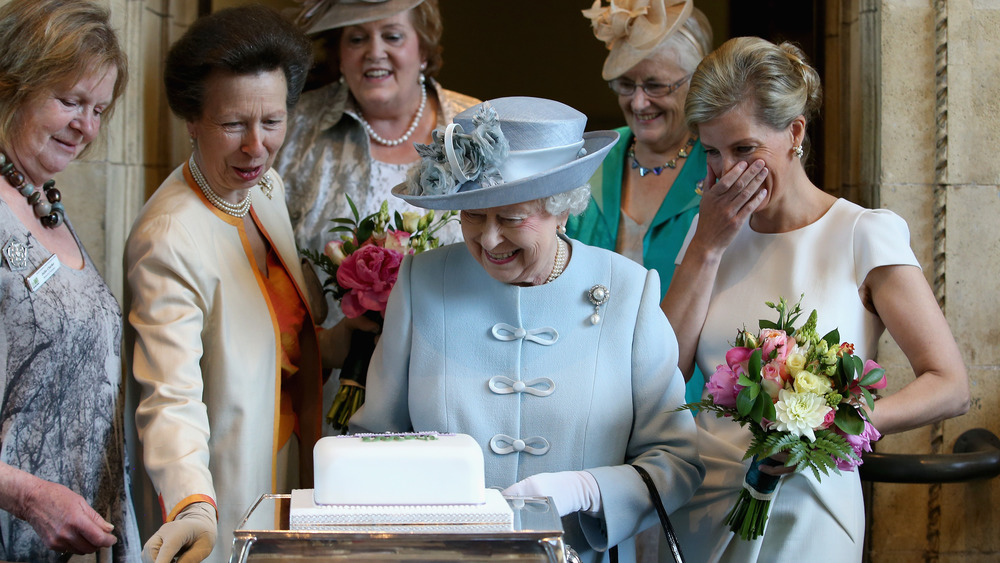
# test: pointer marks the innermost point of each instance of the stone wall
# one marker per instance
(939, 116)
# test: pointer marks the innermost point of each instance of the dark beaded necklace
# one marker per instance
(51, 212)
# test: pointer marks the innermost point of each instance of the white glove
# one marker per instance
(571, 491)
(190, 536)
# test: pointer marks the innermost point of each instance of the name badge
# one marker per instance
(43, 273)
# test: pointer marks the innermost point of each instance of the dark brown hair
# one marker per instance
(238, 41)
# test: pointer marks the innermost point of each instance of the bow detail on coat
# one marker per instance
(504, 444)
(539, 387)
(546, 335)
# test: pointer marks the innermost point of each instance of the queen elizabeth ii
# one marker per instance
(552, 354)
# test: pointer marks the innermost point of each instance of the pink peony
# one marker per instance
(723, 386)
(880, 384)
(368, 274)
(398, 241)
(860, 444)
(774, 342)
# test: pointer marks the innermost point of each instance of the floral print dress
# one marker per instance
(61, 378)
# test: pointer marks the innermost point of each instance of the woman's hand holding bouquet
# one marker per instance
(804, 397)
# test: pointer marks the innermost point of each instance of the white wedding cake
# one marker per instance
(399, 482)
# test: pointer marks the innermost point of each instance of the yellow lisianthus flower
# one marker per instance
(795, 363)
(808, 382)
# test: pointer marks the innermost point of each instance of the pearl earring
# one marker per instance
(797, 149)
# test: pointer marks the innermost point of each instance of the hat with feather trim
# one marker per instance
(632, 29)
(503, 152)
(321, 15)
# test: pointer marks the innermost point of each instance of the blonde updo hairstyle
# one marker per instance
(776, 79)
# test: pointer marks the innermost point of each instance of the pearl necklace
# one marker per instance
(236, 210)
(656, 170)
(51, 213)
(560, 263)
(413, 126)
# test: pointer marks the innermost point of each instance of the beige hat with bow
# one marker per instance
(321, 15)
(632, 29)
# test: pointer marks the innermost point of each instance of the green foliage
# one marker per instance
(807, 333)
(832, 338)
(818, 456)
(786, 317)
(872, 377)
(849, 420)
(323, 262)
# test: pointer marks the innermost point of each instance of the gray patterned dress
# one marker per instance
(61, 410)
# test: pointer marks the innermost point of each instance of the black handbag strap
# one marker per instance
(668, 529)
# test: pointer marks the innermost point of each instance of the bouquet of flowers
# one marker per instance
(798, 393)
(362, 263)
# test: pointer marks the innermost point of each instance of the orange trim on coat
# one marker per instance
(186, 502)
(318, 425)
(238, 223)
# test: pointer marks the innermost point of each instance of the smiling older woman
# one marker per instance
(355, 136)
(63, 485)
(547, 351)
(220, 329)
(644, 196)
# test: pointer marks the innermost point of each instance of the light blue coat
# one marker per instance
(456, 344)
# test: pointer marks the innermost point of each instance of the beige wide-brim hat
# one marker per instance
(632, 29)
(503, 152)
(321, 15)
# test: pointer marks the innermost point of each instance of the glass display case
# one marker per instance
(263, 536)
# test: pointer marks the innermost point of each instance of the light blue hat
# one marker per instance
(505, 151)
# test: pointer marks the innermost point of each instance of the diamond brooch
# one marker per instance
(598, 295)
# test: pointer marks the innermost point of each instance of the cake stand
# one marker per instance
(263, 536)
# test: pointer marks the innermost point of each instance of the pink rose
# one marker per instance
(398, 241)
(723, 386)
(828, 419)
(880, 384)
(774, 341)
(368, 274)
(860, 444)
(771, 379)
(737, 359)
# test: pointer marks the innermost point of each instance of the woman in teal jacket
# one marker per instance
(644, 194)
